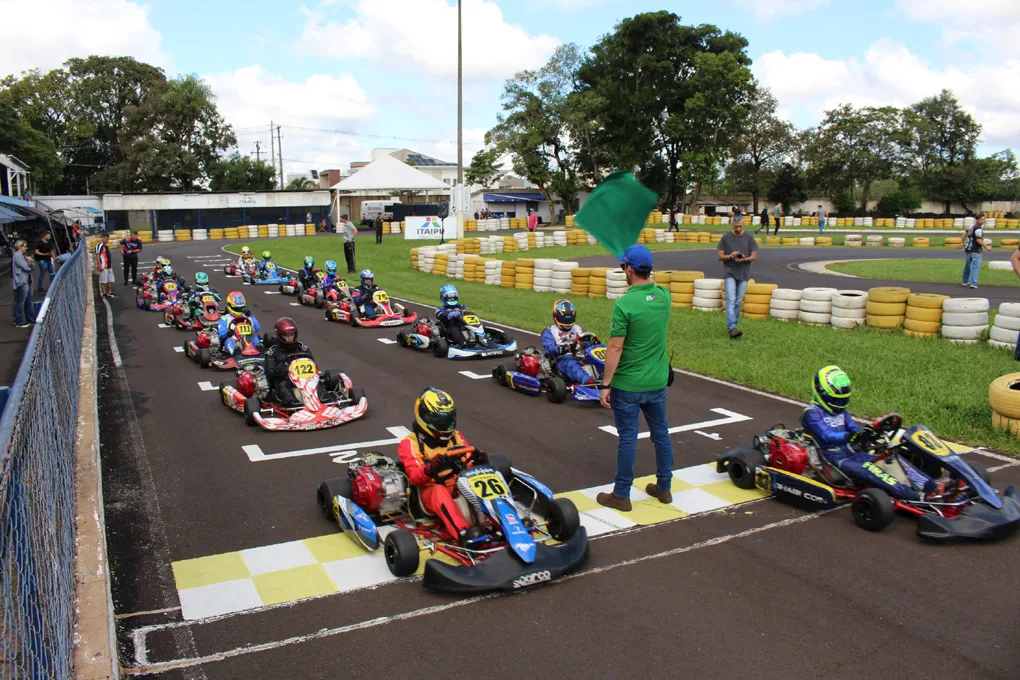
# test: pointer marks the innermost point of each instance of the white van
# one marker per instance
(369, 209)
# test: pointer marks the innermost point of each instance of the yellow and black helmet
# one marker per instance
(435, 414)
(832, 389)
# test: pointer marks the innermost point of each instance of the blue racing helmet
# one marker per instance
(367, 277)
(330, 267)
(448, 295)
(564, 314)
(309, 261)
(201, 279)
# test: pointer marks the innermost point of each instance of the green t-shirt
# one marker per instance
(641, 318)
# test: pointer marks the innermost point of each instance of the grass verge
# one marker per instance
(933, 382)
(927, 271)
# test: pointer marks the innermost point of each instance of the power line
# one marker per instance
(365, 134)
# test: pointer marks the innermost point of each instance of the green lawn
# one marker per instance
(927, 271)
(928, 381)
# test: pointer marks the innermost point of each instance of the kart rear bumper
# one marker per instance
(505, 571)
(387, 321)
(489, 352)
(306, 420)
(977, 522)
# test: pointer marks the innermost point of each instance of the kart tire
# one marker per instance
(319, 300)
(299, 288)
(401, 339)
(168, 319)
(981, 471)
(337, 486)
(251, 407)
(357, 393)
(354, 317)
(563, 520)
(204, 357)
(269, 339)
(401, 552)
(441, 348)
(501, 371)
(873, 510)
(497, 335)
(331, 380)
(501, 462)
(742, 466)
(556, 390)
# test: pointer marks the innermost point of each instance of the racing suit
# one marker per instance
(307, 278)
(832, 433)
(556, 343)
(194, 305)
(243, 263)
(450, 318)
(227, 341)
(436, 496)
(278, 360)
(362, 296)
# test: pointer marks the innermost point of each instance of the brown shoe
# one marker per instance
(735, 333)
(611, 501)
(662, 496)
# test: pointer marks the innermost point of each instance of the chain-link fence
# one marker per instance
(37, 469)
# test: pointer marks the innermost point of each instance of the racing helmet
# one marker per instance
(287, 332)
(564, 314)
(245, 251)
(168, 269)
(236, 305)
(435, 415)
(367, 277)
(331, 267)
(309, 261)
(201, 279)
(448, 295)
(832, 389)
(266, 255)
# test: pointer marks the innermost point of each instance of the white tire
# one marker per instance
(815, 307)
(850, 299)
(971, 319)
(787, 294)
(1000, 266)
(708, 284)
(562, 276)
(964, 342)
(709, 303)
(965, 305)
(819, 319)
(784, 314)
(785, 305)
(1009, 323)
(840, 313)
(543, 281)
(845, 324)
(963, 332)
(610, 295)
(1002, 345)
(819, 294)
(709, 294)
(1003, 335)
(1010, 309)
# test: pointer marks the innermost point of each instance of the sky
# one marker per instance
(346, 76)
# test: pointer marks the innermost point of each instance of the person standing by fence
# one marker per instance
(104, 265)
(532, 221)
(130, 248)
(349, 231)
(823, 214)
(21, 272)
(737, 250)
(44, 258)
(378, 229)
(973, 243)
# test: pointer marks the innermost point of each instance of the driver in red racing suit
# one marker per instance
(423, 454)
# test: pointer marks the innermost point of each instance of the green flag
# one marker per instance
(616, 211)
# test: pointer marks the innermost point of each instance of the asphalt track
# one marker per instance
(753, 590)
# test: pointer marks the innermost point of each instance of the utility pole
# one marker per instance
(272, 150)
(258, 151)
(460, 127)
(279, 142)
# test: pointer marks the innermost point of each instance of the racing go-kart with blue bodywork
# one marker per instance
(788, 465)
(480, 342)
(387, 312)
(534, 372)
(323, 399)
(517, 515)
(268, 274)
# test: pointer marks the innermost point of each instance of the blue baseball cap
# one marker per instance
(639, 258)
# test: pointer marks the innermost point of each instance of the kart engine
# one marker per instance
(787, 455)
(379, 490)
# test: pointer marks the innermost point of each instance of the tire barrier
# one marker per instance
(853, 240)
(849, 309)
(886, 306)
(785, 304)
(921, 242)
(965, 320)
(874, 240)
(816, 306)
(1000, 266)
(681, 287)
(1003, 334)
(708, 295)
(896, 241)
(1004, 398)
(923, 315)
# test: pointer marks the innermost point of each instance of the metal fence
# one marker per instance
(37, 475)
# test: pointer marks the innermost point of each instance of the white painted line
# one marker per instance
(256, 454)
(272, 292)
(163, 325)
(710, 435)
(179, 349)
(204, 257)
(474, 376)
(730, 418)
(114, 350)
(387, 341)
(295, 304)
(207, 386)
(232, 276)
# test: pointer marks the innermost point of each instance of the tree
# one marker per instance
(901, 200)
(32, 147)
(299, 183)
(765, 141)
(483, 169)
(789, 187)
(241, 173)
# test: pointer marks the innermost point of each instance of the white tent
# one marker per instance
(388, 174)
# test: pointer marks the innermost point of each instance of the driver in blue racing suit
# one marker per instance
(263, 270)
(834, 430)
(331, 278)
(236, 308)
(362, 295)
(558, 340)
(450, 314)
(306, 275)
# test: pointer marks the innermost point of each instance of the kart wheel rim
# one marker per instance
(390, 552)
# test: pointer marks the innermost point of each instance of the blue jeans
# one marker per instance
(734, 300)
(24, 308)
(821, 225)
(971, 269)
(45, 266)
(626, 408)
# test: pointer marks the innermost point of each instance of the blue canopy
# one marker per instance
(514, 197)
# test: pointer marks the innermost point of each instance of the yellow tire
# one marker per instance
(757, 299)
(685, 277)
(681, 287)
(761, 288)
(682, 297)
(922, 314)
(915, 334)
(888, 294)
(926, 300)
(887, 308)
(922, 326)
(1001, 422)
(1004, 396)
(684, 305)
(754, 316)
(756, 309)
(884, 321)
(580, 272)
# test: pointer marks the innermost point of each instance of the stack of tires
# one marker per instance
(790, 241)
(708, 295)
(579, 277)
(562, 279)
(965, 320)
(849, 309)
(773, 240)
(853, 241)
(823, 241)
(507, 274)
(1004, 398)
(681, 287)
(757, 299)
(887, 306)
(785, 304)
(953, 241)
(897, 241)
(441, 264)
(597, 282)
(816, 306)
(921, 242)
(1000, 266)
(806, 241)
(1007, 326)
(924, 315)
(526, 274)
(493, 271)
(616, 284)
(874, 241)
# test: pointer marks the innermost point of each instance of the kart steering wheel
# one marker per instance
(888, 424)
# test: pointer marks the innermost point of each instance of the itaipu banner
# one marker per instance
(419, 228)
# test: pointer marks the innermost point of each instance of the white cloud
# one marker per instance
(569, 5)
(422, 35)
(769, 8)
(992, 24)
(45, 33)
(889, 74)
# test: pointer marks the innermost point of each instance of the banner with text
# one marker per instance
(430, 228)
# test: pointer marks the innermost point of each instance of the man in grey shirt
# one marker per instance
(349, 231)
(737, 250)
(822, 215)
(777, 217)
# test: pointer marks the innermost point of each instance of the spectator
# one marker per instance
(973, 243)
(635, 378)
(672, 219)
(532, 220)
(130, 248)
(764, 220)
(822, 215)
(378, 229)
(105, 266)
(737, 250)
(21, 271)
(308, 218)
(323, 226)
(777, 217)
(28, 198)
(349, 231)
(44, 258)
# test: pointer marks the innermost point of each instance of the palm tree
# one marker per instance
(300, 184)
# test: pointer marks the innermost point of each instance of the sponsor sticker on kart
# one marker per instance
(392, 322)
(471, 320)
(599, 353)
(208, 300)
(532, 579)
(488, 486)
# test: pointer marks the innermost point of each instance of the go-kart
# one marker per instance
(194, 315)
(323, 399)
(268, 274)
(534, 372)
(293, 286)
(169, 296)
(207, 351)
(387, 313)
(789, 465)
(480, 342)
(516, 514)
(233, 269)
